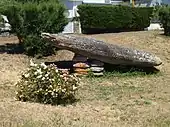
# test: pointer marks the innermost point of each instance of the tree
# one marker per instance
(29, 18)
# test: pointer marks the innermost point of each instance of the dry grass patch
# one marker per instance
(112, 100)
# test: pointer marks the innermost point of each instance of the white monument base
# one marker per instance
(154, 26)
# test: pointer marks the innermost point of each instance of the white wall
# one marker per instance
(94, 1)
(154, 2)
(69, 28)
(151, 2)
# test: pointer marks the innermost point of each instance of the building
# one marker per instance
(71, 5)
(151, 3)
(71, 12)
(5, 27)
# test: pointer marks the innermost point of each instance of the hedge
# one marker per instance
(111, 18)
(38, 1)
(164, 15)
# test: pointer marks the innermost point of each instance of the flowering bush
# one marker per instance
(46, 84)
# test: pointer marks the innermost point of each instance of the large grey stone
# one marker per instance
(95, 63)
(99, 50)
(97, 69)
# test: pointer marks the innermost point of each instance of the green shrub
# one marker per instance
(109, 18)
(141, 18)
(23, 1)
(32, 18)
(36, 45)
(1, 19)
(155, 14)
(164, 15)
(14, 13)
(46, 84)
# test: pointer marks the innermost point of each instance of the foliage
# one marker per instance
(109, 18)
(32, 18)
(1, 19)
(34, 0)
(46, 84)
(155, 14)
(36, 45)
(164, 15)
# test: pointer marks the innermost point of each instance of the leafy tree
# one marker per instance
(29, 18)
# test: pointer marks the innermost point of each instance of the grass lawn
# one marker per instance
(115, 100)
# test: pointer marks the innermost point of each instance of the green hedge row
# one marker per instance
(109, 18)
(164, 15)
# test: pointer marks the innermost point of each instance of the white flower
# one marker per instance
(39, 76)
(64, 75)
(65, 78)
(56, 70)
(27, 75)
(51, 80)
(52, 93)
(43, 65)
(74, 87)
(46, 75)
(63, 90)
(39, 71)
(43, 78)
(32, 63)
(56, 90)
(17, 82)
(35, 73)
(61, 76)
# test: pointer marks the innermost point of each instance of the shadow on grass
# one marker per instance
(63, 64)
(129, 70)
(11, 48)
(70, 100)
(112, 70)
(92, 31)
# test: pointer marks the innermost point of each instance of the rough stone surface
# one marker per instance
(98, 74)
(97, 69)
(99, 50)
(95, 63)
(81, 71)
(78, 58)
(81, 65)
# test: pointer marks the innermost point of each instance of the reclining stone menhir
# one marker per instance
(104, 52)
